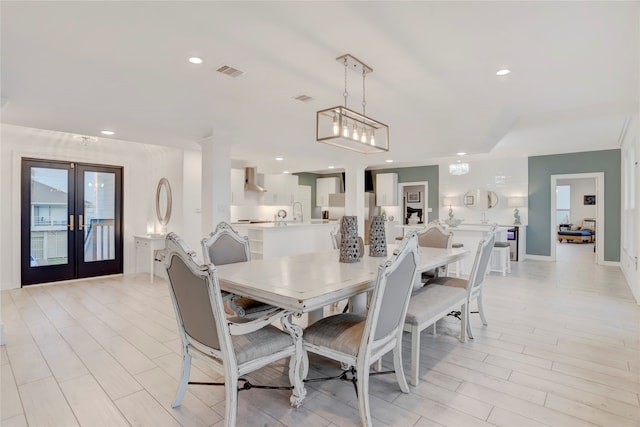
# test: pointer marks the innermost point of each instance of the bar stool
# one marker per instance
(500, 258)
(457, 266)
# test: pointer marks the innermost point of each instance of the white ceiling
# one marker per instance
(80, 67)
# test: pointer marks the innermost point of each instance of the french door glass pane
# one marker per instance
(99, 216)
(49, 216)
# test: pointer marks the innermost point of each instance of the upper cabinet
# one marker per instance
(281, 189)
(237, 187)
(387, 189)
(324, 187)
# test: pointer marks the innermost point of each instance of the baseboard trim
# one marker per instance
(539, 257)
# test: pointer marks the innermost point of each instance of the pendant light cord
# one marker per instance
(364, 100)
(345, 94)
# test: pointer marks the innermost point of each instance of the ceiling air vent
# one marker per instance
(230, 71)
(303, 98)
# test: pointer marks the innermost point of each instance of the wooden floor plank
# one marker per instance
(552, 354)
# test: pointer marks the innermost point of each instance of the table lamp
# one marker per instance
(516, 202)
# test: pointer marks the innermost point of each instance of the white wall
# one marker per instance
(192, 207)
(506, 177)
(580, 188)
(630, 222)
(143, 165)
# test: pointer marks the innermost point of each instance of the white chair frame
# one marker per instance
(242, 253)
(223, 359)
(371, 349)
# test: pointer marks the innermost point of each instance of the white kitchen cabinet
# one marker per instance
(237, 187)
(387, 189)
(324, 187)
(281, 189)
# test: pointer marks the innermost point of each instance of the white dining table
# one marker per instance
(308, 282)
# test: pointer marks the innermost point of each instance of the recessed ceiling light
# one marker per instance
(279, 159)
(503, 72)
(389, 161)
(195, 60)
(331, 167)
(462, 153)
(286, 172)
(107, 132)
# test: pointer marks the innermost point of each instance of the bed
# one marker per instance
(584, 234)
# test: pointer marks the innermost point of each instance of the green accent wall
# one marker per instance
(416, 174)
(540, 170)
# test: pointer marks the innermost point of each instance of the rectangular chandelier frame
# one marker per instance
(335, 126)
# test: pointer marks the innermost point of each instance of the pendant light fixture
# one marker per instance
(348, 129)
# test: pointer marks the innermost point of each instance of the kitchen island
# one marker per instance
(269, 239)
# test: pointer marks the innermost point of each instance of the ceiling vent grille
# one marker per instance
(230, 71)
(303, 98)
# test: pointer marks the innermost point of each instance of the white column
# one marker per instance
(216, 182)
(354, 205)
(354, 194)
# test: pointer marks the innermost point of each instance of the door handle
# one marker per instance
(80, 222)
(70, 225)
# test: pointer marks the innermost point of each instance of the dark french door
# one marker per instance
(71, 221)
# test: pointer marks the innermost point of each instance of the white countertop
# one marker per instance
(287, 224)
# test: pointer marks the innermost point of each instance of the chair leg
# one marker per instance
(363, 395)
(397, 366)
(464, 322)
(415, 355)
(481, 309)
(467, 320)
(231, 399)
(184, 381)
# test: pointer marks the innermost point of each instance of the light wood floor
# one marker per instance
(562, 348)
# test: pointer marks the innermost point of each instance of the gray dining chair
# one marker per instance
(231, 348)
(434, 236)
(475, 283)
(225, 246)
(360, 341)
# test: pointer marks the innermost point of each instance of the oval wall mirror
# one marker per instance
(163, 201)
(480, 199)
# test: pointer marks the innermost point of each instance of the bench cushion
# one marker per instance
(431, 300)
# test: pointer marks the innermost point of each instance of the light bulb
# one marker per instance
(373, 138)
(345, 129)
(363, 137)
(355, 132)
(336, 128)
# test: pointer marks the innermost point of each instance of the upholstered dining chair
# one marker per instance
(474, 284)
(358, 341)
(435, 236)
(442, 296)
(226, 246)
(233, 349)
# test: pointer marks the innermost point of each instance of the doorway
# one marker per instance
(559, 213)
(414, 203)
(71, 221)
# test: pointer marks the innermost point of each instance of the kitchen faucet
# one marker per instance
(293, 211)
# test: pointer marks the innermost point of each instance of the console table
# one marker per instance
(148, 244)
